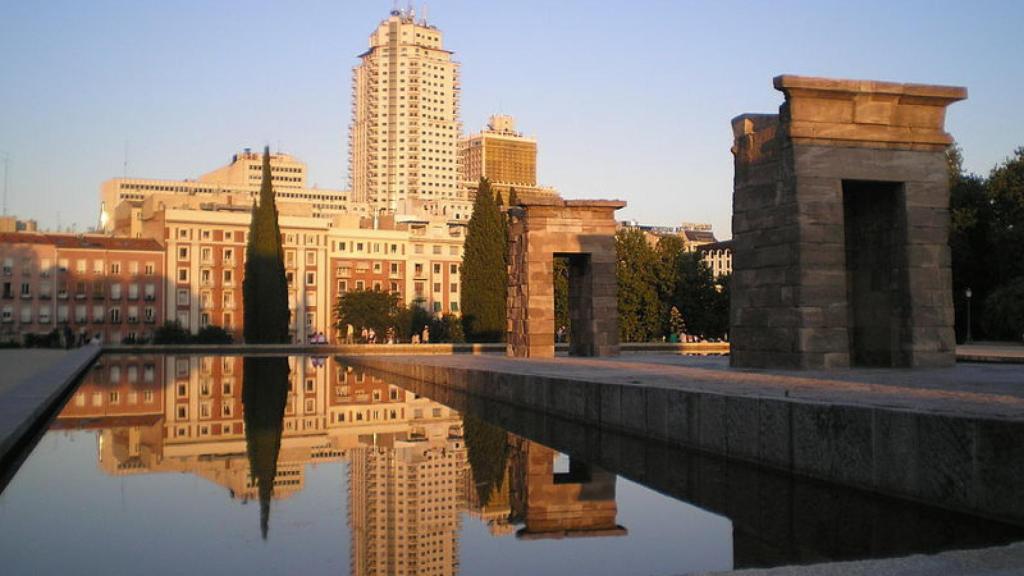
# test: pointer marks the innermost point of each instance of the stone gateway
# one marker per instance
(583, 231)
(841, 228)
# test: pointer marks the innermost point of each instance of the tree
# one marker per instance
(695, 295)
(484, 281)
(447, 328)
(171, 333)
(213, 335)
(561, 281)
(1006, 197)
(970, 239)
(639, 309)
(368, 309)
(1004, 311)
(265, 288)
(666, 253)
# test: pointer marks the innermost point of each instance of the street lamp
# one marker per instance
(968, 293)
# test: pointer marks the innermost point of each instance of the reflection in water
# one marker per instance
(264, 397)
(416, 466)
(253, 424)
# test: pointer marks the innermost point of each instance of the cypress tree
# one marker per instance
(484, 281)
(265, 289)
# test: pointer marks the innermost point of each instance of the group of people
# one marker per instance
(318, 338)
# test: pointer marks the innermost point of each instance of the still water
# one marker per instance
(188, 464)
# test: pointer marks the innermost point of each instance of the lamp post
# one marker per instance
(968, 293)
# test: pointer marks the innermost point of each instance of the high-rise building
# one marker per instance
(403, 141)
(502, 155)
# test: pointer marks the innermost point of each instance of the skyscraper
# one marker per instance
(403, 141)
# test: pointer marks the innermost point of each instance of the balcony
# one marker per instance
(149, 297)
(149, 320)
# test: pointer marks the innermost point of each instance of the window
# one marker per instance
(453, 250)
(206, 253)
(115, 291)
(437, 268)
(98, 313)
(453, 269)
(342, 286)
(229, 255)
(150, 270)
(80, 266)
(360, 285)
(206, 277)
(26, 315)
(183, 253)
(454, 288)
(133, 268)
(437, 249)
(97, 266)
(150, 292)
(310, 257)
(417, 249)
(418, 268)
(183, 297)
(115, 315)
(437, 286)
(115, 267)
(229, 277)
(133, 291)
(310, 278)
(394, 268)
(182, 274)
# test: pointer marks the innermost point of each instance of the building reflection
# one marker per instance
(253, 425)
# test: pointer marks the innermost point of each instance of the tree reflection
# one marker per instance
(487, 450)
(264, 396)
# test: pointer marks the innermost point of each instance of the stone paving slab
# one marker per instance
(1000, 561)
(969, 390)
(24, 400)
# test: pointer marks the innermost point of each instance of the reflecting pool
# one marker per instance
(197, 464)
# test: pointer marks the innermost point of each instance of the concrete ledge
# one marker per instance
(24, 405)
(393, 349)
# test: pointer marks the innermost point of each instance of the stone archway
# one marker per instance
(841, 227)
(583, 231)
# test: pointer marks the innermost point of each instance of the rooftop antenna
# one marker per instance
(424, 13)
(7, 160)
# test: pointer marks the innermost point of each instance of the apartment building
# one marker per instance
(403, 140)
(91, 284)
(238, 182)
(504, 156)
(204, 240)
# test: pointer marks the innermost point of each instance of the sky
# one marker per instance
(627, 99)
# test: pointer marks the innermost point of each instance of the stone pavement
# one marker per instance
(1000, 561)
(991, 352)
(31, 383)
(20, 363)
(971, 390)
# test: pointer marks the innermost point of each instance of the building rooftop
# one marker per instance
(81, 241)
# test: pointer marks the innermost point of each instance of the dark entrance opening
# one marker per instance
(876, 291)
(579, 292)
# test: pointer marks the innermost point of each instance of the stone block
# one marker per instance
(999, 468)
(712, 422)
(895, 445)
(945, 459)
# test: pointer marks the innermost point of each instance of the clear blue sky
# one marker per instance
(628, 100)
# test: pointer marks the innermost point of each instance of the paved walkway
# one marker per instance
(991, 352)
(31, 382)
(18, 364)
(980, 390)
(1001, 561)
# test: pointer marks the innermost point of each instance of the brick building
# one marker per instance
(93, 285)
